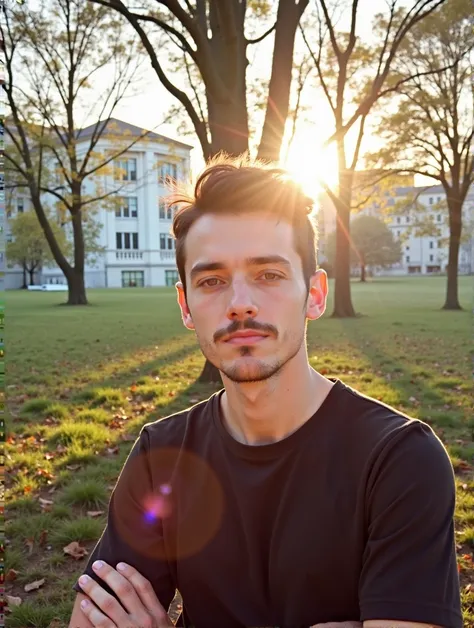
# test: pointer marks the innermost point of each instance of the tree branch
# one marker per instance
(257, 40)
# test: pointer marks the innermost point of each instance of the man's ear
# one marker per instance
(185, 313)
(317, 297)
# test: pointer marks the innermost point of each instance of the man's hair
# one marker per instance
(239, 185)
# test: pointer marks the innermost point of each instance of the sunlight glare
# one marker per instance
(312, 166)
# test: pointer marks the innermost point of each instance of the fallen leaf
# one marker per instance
(112, 450)
(61, 449)
(26, 490)
(11, 575)
(56, 623)
(75, 550)
(34, 585)
(45, 502)
(43, 538)
(48, 456)
(73, 467)
(29, 544)
(95, 513)
(12, 600)
(111, 487)
(128, 438)
(467, 588)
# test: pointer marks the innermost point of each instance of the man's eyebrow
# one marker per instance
(267, 259)
(202, 267)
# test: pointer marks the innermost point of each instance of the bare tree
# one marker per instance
(56, 55)
(353, 76)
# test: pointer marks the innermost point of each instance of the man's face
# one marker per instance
(246, 295)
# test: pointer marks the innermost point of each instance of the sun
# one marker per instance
(312, 166)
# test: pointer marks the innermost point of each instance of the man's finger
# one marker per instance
(95, 616)
(146, 593)
(104, 601)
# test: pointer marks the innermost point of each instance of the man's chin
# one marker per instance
(245, 371)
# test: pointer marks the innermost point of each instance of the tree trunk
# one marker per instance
(278, 101)
(210, 374)
(25, 285)
(455, 229)
(343, 307)
(362, 272)
(76, 288)
(32, 276)
(227, 101)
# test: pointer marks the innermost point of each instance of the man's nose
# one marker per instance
(241, 305)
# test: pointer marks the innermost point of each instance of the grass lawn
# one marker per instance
(81, 382)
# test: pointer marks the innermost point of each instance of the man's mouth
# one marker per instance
(246, 338)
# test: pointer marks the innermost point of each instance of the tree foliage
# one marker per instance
(372, 244)
(428, 127)
(29, 247)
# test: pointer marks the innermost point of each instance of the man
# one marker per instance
(286, 499)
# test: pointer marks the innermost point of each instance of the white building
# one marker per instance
(138, 248)
(421, 254)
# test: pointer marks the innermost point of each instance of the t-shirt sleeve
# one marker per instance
(409, 564)
(134, 533)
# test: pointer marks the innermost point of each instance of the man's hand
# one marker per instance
(143, 609)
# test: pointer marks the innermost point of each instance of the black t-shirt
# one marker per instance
(348, 518)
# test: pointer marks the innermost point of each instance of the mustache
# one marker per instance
(236, 326)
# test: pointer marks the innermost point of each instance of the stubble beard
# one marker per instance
(257, 370)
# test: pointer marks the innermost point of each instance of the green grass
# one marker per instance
(80, 378)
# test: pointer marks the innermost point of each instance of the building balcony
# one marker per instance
(141, 257)
(128, 255)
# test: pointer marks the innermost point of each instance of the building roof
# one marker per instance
(115, 125)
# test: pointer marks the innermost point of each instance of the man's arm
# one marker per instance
(132, 534)
(409, 572)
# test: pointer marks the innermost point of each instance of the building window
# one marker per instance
(440, 244)
(398, 233)
(431, 245)
(407, 259)
(398, 220)
(438, 200)
(438, 217)
(407, 219)
(166, 242)
(431, 258)
(166, 212)
(431, 200)
(20, 205)
(167, 170)
(125, 170)
(133, 278)
(407, 248)
(128, 207)
(171, 277)
(127, 241)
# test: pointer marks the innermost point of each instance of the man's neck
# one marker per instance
(265, 412)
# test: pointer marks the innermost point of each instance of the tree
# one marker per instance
(56, 54)
(353, 76)
(431, 130)
(29, 247)
(211, 37)
(211, 34)
(372, 244)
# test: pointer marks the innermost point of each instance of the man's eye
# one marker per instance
(210, 283)
(271, 276)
